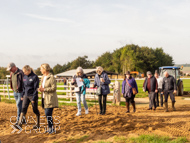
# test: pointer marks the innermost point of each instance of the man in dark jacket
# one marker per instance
(169, 88)
(16, 84)
(151, 85)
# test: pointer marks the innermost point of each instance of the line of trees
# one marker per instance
(3, 72)
(128, 58)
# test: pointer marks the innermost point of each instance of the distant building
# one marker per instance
(186, 71)
(89, 72)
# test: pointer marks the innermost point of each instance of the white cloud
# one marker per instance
(46, 4)
(49, 18)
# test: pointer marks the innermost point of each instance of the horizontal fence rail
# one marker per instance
(67, 90)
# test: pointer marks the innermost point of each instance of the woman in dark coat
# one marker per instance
(127, 85)
(102, 80)
(30, 94)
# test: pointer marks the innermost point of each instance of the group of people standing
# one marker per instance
(25, 85)
(101, 81)
(158, 86)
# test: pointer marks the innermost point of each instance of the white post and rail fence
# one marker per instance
(68, 91)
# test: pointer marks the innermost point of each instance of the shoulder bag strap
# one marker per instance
(128, 83)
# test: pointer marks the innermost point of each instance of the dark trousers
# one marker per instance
(167, 93)
(156, 99)
(102, 108)
(130, 99)
(26, 102)
(152, 102)
(159, 93)
(48, 113)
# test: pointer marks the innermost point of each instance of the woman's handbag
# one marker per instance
(98, 91)
(134, 90)
(77, 89)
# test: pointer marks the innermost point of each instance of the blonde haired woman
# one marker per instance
(49, 96)
(102, 81)
(30, 93)
(81, 89)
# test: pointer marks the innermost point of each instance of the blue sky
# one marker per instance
(57, 31)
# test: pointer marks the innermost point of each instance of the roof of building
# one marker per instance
(169, 67)
(88, 72)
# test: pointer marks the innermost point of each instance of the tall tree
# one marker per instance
(82, 62)
(105, 60)
(3, 72)
(128, 57)
(57, 69)
(116, 60)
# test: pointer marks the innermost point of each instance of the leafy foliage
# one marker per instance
(128, 58)
(3, 72)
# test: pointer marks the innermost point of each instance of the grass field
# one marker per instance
(186, 84)
(140, 139)
(141, 94)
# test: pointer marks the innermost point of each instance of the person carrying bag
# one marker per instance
(129, 90)
(102, 83)
(81, 82)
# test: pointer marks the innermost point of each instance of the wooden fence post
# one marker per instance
(4, 90)
(116, 93)
(67, 88)
(71, 99)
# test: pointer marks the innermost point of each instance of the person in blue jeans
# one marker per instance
(48, 89)
(80, 90)
(16, 84)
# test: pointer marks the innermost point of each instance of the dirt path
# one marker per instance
(96, 127)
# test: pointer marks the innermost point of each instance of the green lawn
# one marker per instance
(186, 84)
(141, 94)
(149, 139)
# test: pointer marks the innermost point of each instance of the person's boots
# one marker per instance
(127, 105)
(104, 110)
(37, 122)
(173, 107)
(134, 108)
(166, 106)
(20, 122)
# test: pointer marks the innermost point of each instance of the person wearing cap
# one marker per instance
(80, 90)
(160, 81)
(150, 84)
(169, 88)
(30, 94)
(16, 84)
(128, 84)
(102, 80)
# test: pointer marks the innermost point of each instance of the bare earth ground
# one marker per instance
(96, 127)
